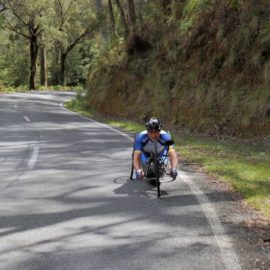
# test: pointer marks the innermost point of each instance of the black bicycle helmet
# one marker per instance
(153, 124)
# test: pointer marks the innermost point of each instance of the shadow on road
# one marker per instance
(77, 209)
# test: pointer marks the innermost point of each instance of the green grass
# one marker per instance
(78, 105)
(126, 125)
(59, 88)
(9, 89)
(25, 88)
(244, 166)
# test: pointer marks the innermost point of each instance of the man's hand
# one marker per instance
(139, 174)
(174, 173)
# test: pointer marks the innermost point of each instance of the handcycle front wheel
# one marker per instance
(157, 169)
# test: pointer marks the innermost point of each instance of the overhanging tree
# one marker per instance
(74, 20)
(25, 18)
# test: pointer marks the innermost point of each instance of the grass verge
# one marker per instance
(25, 88)
(245, 167)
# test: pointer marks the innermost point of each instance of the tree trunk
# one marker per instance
(43, 66)
(123, 17)
(33, 56)
(57, 64)
(63, 69)
(140, 12)
(99, 8)
(111, 16)
(131, 18)
(65, 53)
(131, 13)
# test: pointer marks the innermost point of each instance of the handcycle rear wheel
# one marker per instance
(132, 165)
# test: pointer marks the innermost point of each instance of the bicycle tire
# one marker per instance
(132, 159)
(157, 169)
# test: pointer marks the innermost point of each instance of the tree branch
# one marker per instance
(110, 7)
(18, 17)
(123, 16)
(76, 41)
(19, 32)
(63, 14)
(39, 12)
(66, 12)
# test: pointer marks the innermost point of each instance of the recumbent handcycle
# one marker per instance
(156, 167)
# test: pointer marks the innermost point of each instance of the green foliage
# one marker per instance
(191, 13)
(235, 3)
(60, 28)
(79, 17)
(13, 60)
(76, 88)
(21, 13)
(211, 75)
(79, 105)
(195, 6)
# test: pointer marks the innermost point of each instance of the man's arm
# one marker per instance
(137, 152)
(137, 160)
(173, 158)
(174, 162)
(137, 165)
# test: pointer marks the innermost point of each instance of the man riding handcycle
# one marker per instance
(153, 149)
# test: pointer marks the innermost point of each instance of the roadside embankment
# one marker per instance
(206, 69)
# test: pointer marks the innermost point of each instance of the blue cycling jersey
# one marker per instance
(145, 145)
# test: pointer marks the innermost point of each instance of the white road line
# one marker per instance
(100, 124)
(26, 118)
(32, 161)
(230, 258)
(15, 106)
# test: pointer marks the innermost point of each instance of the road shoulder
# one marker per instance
(249, 231)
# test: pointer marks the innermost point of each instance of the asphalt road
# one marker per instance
(66, 201)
